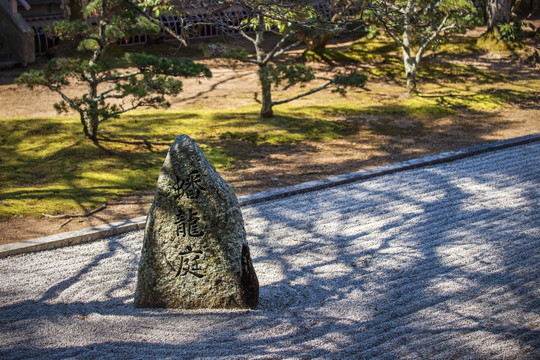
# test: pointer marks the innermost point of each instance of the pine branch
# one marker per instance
(118, 77)
(66, 98)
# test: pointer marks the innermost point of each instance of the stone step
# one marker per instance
(8, 64)
(44, 2)
(6, 58)
(5, 55)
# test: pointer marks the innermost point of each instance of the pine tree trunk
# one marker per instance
(73, 9)
(84, 123)
(92, 113)
(266, 84)
(266, 89)
(93, 127)
(92, 116)
(90, 126)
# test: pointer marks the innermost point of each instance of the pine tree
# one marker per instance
(115, 84)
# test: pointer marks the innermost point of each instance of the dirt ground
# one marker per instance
(272, 166)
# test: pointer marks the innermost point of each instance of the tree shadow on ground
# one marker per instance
(355, 139)
(494, 98)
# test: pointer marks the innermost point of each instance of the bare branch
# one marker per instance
(246, 36)
(65, 223)
(434, 34)
(104, 95)
(134, 105)
(113, 96)
(156, 22)
(251, 61)
(387, 28)
(287, 48)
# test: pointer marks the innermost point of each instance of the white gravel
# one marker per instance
(441, 262)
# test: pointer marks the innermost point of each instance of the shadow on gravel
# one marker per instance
(438, 262)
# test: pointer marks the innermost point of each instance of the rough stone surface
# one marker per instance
(195, 253)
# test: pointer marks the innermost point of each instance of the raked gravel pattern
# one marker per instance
(441, 262)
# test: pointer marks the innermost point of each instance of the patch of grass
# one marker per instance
(490, 42)
(436, 71)
(440, 72)
(288, 126)
(362, 51)
(460, 46)
(488, 99)
(47, 166)
(374, 51)
(414, 107)
(382, 53)
(389, 127)
(438, 100)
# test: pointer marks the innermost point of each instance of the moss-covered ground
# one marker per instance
(47, 166)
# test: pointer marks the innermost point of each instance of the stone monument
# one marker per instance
(194, 253)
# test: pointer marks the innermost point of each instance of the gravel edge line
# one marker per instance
(106, 230)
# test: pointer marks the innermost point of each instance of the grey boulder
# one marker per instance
(195, 253)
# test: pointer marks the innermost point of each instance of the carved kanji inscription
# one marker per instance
(190, 186)
(187, 223)
(188, 262)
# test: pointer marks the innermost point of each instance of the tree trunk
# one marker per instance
(84, 123)
(73, 9)
(266, 84)
(526, 8)
(498, 11)
(93, 127)
(410, 62)
(317, 42)
(90, 127)
(411, 68)
(92, 114)
(411, 83)
(266, 89)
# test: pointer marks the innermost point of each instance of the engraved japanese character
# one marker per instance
(187, 224)
(189, 263)
(190, 186)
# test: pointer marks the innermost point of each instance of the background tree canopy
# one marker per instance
(415, 25)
